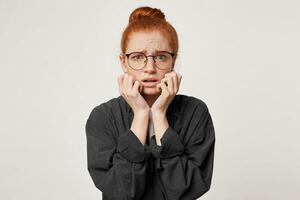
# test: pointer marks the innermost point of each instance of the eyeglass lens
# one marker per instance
(139, 60)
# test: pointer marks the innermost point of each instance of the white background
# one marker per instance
(59, 59)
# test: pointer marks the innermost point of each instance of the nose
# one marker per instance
(150, 65)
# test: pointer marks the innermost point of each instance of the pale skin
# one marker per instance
(143, 99)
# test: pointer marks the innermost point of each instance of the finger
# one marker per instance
(130, 82)
(158, 87)
(175, 78)
(176, 82)
(136, 86)
(170, 85)
(120, 83)
(164, 87)
(173, 75)
(127, 83)
(166, 82)
(179, 80)
(140, 88)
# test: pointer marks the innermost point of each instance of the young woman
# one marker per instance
(150, 142)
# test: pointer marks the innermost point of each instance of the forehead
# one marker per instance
(148, 42)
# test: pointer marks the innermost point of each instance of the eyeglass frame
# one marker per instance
(128, 54)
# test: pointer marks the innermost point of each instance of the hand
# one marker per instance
(131, 93)
(169, 91)
(160, 106)
(130, 90)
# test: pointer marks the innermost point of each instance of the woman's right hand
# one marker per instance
(130, 90)
(141, 109)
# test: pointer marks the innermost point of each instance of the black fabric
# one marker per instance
(123, 168)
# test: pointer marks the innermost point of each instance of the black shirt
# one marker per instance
(125, 169)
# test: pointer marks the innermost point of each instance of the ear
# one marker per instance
(123, 62)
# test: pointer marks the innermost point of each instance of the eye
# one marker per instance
(161, 57)
(137, 57)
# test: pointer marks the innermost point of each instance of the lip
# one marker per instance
(150, 84)
(151, 79)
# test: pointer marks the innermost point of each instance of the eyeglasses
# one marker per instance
(138, 60)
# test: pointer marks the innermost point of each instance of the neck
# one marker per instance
(150, 99)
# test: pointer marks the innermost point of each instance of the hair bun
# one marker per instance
(146, 12)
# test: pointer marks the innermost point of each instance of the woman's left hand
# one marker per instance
(169, 91)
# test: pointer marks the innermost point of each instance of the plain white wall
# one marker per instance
(59, 59)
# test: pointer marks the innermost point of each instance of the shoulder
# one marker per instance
(104, 109)
(189, 110)
(189, 103)
(194, 112)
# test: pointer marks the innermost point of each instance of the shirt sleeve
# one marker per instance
(186, 169)
(116, 166)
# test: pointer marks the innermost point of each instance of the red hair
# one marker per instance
(149, 19)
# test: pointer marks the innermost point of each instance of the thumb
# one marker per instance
(136, 85)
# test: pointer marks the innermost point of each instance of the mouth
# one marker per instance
(151, 82)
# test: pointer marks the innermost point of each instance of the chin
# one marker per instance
(150, 91)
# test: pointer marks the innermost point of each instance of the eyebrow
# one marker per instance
(155, 52)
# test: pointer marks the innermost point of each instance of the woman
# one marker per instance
(150, 142)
